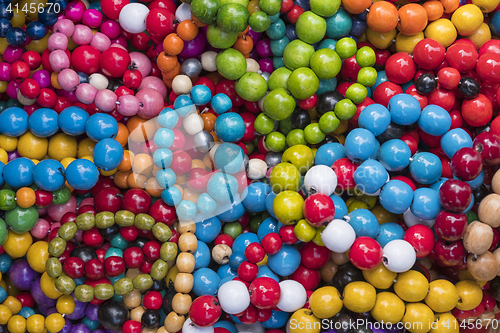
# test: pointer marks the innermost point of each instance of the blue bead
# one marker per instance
(26, 312)
(290, 33)
(3, 294)
(327, 44)
(388, 232)
(5, 26)
(113, 252)
(370, 176)
(404, 108)
(340, 206)
(267, 226)
(254, 197)
(434, 120)
(278, 46)
(375, 118)
(19, 172)
(339, 25)
(5, 262)
(72, 120)
(329, 153)
(202, 255)
(168, 118)
(285, 262)
(2, 180)
(208, 229)
(163, 158)
(13, 121)
(201, 94)
(304, 4)
(375, 150)
(225, 270)
(36, 30)
(92, 324)
(206, 204)
(186, 210)
(495, 24)
(229, 127)
(205, 282)
(364, 223)
(326, 85)
(277, 30)
(278, 62)
(227, 325)
(183, 105)
(229, 158)
(84, 78)
(454, 140)
(108, 154)
(101, 126)
(359, 145)
(265, 271)
(5, 12)
(235, 260)
(166, 178)
(80, 281)
(381, 77)
(49, 15)
(171, 196)
(221, 103)
(278, 319)
(119, 242)
(242, 241)
(49, 175)
(425, 203)
(437, 185)
(230, 211)
(396, 196)
(394, 155)
(222, 187)
(164, 138)
(269, 203)
(468, 209)
(478, 181)
(358, 27)
(16, 37)
(426, 168)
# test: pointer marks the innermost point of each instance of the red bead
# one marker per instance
(205, 311)
(198, 179)
(114, 266)
(152, 300)
(449, 253)
(224, 239)
(181, 162)
(146, 267)
(152, 250)
(255, 253)
(345, 168)
(294, 13)
(86, 59)
(140, 41)
(112, 8)
(74, 267)
(129, 233)
(272, 243)
(247, 271)
(455, 195)
(160, 21)
(108, 200)
(428, 53)
(477, 112)
(136, 201)
(43, 198)
(26, 299)
(421, 238)
(319, 209)
(466, 164)
(87, 209)
(132, 326)
(488, 68)
(309, 278)
(286, 6)
(92, 237)
(133, 257)
(462, 56)
(308, 103)
(161, 212)
(288, 235)
(61, 104)
(265, 293)
(94, 269)
(132, 78)
(114, 61)
(32, 58)
(448, 77)
(442, 97)
(314, 256)
(400, 68)
(29, 88)
(249, 316)
(365, 253)
(19, 70)
(349, 71)
(385, 91)
(381, 57)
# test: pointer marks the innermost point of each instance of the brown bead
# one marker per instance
(181, 303)
(433, 275)
(478, 237)
(174, 322)
(426, 262)
(162, 330)
(132, 273)
(185, 262)
(340, 258)
(483, 267)
(187, 242)
(136, 314)
(489, 210)
(132, 299)
(221, 253)
(183, 283)
(328, 271)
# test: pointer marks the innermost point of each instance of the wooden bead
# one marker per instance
(483, 267)
(162, 330)
(340, 258)
(188, 242)
(328, 271)
(489, 210)
(181, 303)
(132, 273)
(184, 227)
(174, 322)
(426, 262)
(149, 330)
(478, 237)
(433, 275)
(495, 182)
(136, 314)
(185, 262)
(132, 299)
(496, 253)
(221, 253)
(183, 283)
(496, 309)
(487, 317)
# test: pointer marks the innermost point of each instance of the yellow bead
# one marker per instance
(8, 143)
(47, 284)
(445, 323)
(61, 146)
(443, 31)
(5, 314)
(383, 215)
(65, 304)
(325, 302)
(388, 308)
(359, 296)
(304, 321)
(13, 304)
(54, 322)
(418, 318)
(3, 86)
(467, 19)
(108, 173)
(90, 158)
(71, 44)
(481, 36)
(411, 286)
(344, 124)
(486, 6)
(35, 323)
(380, 277)
(18, 18)
(16, 324)
(66, 161)
(17, 245)
(380, 40)
(32, 146)
(442, 296)
(37, 255)
(405, 43)
(38, 45)
(470, 295)
(4, 158)
(86, 147)
(3, 45)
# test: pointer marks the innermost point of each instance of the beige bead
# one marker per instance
(185, 262)
(184, 227)
(132, 273)
(496, 253)
(340, 258)
(478, 237)
(483, 267)
(136, 314)
(489, 210)
(495, 182)
(162, 330)
(183, 283)
(149, 330)
(221, 253)
(188, 242)
(174, 322)
(328, 271)
(181, 303)
(132, 299)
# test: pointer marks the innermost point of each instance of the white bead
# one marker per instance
(257, 169)
(293, 296)
(252, 65)
(398, 256)
(86, 3)
(261, 102)
(23, 100)
(193, 124)
(252, 328)
(411, 220)
(182, 85)
(213, 150)
(183, 12)
(189, 327)
(338, 236)
(133, 17)
(208, 61)
(99, 81)
(233, 297)
(320, 179)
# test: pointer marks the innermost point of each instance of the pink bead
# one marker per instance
(58, 60)
(85, 93)
(155, 83)
(150, 103)
(40, 229)
(55, 212)
(92, 18)
(111, 29)
(82, 35)
(100, 41)
(159, 48)
(141, 62)
(86, 201)
(128, 105)
(64, 26)
(54, 225)
(71, 95)
(57, 41)
(79, 236)
(68, 79)
(4, 71)
(40, 211)
(74, 11)
(12, 89)
(12, 53)
(105, 100)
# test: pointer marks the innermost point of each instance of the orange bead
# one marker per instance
(165, 62)
(187, 30)
(120, 178)
(142, 164)
(25, 197)
(208, 162)
(244, 44)
(208, 121)
(141, 129)
(126, 163)
(173, 73)
(434, 9)
(356, 6)
(450, 5)
(382, 17)
(173, 44)
(122, 136)
(135, 180)
(181, 179)
(197, 22)
(190, 195)
(155, 170)
(153, 188)
(195, 163)
(244, 32)
(216, 139)
(412, 19)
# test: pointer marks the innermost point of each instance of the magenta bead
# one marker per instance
(12, 53)
(111, 29)
(128, 105)
(195, 47)
(85, 93)
(155, 83)
(74, 11)
(64, 26)
(105, 100)
(141, 62)
(92, 18)
(82, 35)
(264, 48)
(4, 71)
(12, 89)
(254, 35)
(58, 60)
(57, 41)
(68, 79)
(40, 229)
(120, 41)
(150, 103)
(31, 108)
(266, 65)
(71, 95)
(12, 155)
(100, 41)
(42, 77)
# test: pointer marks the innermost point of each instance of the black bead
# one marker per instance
(112, 315)
(426, 83)
(327, 101)
(139, 242)
(158, 285)
(346, 274)
(110, 232)
(150, 319)
(394, 131)
(83, 252)
(300, 119)
(480, 192)
(469, 87)
(329, 139)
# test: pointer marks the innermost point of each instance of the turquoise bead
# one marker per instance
(164, 138)
(186, 210)
(206, 204)
(171, 196)
(222, 187)
(168, 118)
(163, 158)
(166, 178)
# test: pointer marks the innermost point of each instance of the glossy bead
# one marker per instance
(455, 195)
(404, 109)
(359, 145)
(365, 253)
(398, 256)
(396, 196)
(428, 174)
(394, 155)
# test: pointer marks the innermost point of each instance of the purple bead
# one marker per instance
(120, 41)
(67, 326)
(111, 29)
(159, 48)
(22, 275)
(4, 71)
(110, 331)
(195, 47)
(99, 331)
(263, 47)
(12, 53)
(12, 89)
(51, 311)
(42, 76)
(91, 311)
(266, 65)
(12, 156)
(40, 297)
(69, 94)
(79, 311)
(80, 328)
(254, 35)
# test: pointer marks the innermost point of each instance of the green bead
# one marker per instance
(471, 217)
(162, 232)
(144, 221)
(159, 269)
(286, 125)
(57, 247)
(356, 93)
(53, 267)
(7, 199)
(263, 124)
(345, 109)
(328, 122)
(85, 221)
(168, 251)
(65, 284)
(304, 231)
(103, 291)
(255, 222)
(67, 231)
(296, 137)
(20, 219)
(84, 293)
(61, 196)
(123, 286)
(119, 242)
(276, 142)
(233, 229)
(3, 231)
(313, 134)
(142, 282)
(104, 220)
(124, 218)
